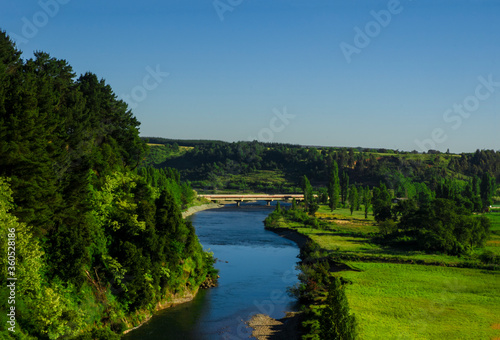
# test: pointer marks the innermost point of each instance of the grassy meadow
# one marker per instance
(493, 244)
(401, 301)
(429, 300)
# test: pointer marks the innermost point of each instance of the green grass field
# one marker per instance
(493, 244)
(351, 235)
(401, 301)
(410, 301)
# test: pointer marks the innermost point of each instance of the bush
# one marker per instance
(489, 257)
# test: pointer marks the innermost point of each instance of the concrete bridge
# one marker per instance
(238, 198)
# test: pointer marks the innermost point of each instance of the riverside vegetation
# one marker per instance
(394, 282)
(100, 241)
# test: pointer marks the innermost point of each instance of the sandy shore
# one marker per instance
(267, 328)
(198, 208)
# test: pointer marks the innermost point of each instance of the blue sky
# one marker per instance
(276, 71)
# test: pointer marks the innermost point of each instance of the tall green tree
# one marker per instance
(333, 186)
(381, 203)
(353, 198)
(487, 187)
(344, 186)
(367, 199)
(336, 321)
(307, 191)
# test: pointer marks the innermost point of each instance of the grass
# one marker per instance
(401, 301)
(410, 301)
(493, 244)
(352, 236)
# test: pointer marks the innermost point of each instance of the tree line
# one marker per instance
(209, 162)
(99, 242)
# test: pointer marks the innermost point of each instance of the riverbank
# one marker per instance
(292, 235)
(197, 208)
(267, 328)
(135, 321)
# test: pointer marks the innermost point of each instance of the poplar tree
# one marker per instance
(336, 322)
(344, 186)
(353, 198)
(333, 187)
(367, 199)
(308, 191)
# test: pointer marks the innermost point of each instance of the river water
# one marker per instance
(256, 268)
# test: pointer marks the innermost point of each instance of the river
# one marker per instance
(256, 268)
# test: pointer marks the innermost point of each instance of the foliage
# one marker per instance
(381, 202)
(336, 321)
(353, 199)
(96, 239)
(333, 186)
(440, 225)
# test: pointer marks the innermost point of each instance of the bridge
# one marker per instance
(238, 198)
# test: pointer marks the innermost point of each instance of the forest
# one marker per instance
(95, 241)
(275, 167)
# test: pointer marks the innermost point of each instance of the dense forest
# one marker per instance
(94, 243)
(231, 166)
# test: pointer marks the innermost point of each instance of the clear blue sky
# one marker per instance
(228, 78)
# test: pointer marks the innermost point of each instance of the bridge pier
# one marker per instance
(268, 203)
(238, 203)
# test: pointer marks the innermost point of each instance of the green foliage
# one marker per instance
(387, 227)
(440, 226)
(336, 321)
(95, 239)
(488, 187)
(353, 199)
(307, 190)
(333, 186)
(344, 186)
(381, 202)
(367, 199)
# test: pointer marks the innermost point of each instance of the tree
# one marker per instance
(278, 207)
(344, 186)
(381, 202)
(313, 208)
(353, 198)
(367, 199)
(336, 322)
(333, 186)
(488, 187)
(307, 190)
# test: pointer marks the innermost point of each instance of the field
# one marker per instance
(493, 244)
(395, 298)
(350, 236)
(401, 301)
